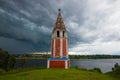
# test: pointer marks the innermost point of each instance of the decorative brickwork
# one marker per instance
(59, 46)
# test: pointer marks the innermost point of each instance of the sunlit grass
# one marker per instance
(54, 74)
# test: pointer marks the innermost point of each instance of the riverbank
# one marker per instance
(53, 74)
(105, 65)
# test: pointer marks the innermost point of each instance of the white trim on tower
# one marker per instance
(66, 64)
(61, 45)
(48, 64)
(54, 48)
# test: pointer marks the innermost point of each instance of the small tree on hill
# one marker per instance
(116, 66)
(7, 61)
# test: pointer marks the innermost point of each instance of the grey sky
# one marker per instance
(93, 25)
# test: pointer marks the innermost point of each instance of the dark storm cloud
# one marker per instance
(32, 21)
(23, 16)
(16, 46)
(28, 23)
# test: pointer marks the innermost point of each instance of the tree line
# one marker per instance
(46, 56)
(7, 60)
(94, 56)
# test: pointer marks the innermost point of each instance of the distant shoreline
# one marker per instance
(76, 57)
(70, 59)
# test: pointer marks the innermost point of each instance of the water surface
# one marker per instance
(104, 64)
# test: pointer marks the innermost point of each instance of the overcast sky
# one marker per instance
(93, 25)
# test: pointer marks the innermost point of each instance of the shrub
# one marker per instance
(77, 67)
(116, 66)
(7, 61)
(96, 70)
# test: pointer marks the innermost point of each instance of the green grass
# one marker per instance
(115, 74)
(53, 74)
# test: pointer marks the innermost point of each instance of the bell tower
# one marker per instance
(59, 46)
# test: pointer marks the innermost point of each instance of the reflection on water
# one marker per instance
(104, 64)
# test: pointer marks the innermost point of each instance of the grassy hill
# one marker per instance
(53, 74)
(115, 73)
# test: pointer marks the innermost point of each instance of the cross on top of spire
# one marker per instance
(59, 9)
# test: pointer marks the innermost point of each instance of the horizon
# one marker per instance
(69, 53)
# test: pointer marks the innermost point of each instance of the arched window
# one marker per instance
(58, 34)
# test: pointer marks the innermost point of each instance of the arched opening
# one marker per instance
(58, 34)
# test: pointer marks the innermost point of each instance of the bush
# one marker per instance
(115, 71)
(116, 66)
(7, 61)
(77, 67)
(96, 70)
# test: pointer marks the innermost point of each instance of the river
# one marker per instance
(104, 64)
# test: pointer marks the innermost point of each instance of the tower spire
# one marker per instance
(59, 21)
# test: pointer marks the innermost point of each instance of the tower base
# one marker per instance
(58, 63)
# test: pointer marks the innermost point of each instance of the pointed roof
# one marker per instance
(59, 22)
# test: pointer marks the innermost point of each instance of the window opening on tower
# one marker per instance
(58, 34)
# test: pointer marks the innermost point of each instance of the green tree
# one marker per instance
(116, 66)
(7, 61)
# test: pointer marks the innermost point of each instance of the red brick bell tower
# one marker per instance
(59, 51)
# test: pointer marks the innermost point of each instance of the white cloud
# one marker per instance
(101, 25)
(112, 47)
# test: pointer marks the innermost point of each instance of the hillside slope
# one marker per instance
(54, 74)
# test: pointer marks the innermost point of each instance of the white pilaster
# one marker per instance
(54, 48)
(48, 64)
(61, 44)
(66, 64)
